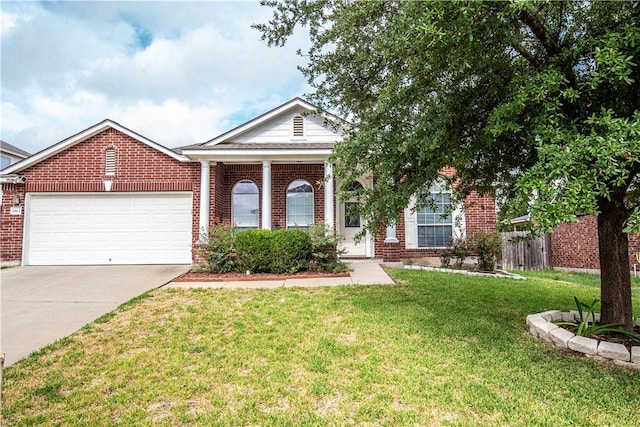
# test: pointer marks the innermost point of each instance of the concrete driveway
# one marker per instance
(43, 304)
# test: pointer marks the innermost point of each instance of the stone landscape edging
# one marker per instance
(498, 274)
(542, 326)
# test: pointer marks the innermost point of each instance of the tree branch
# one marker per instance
(541, 32)
(526, 55)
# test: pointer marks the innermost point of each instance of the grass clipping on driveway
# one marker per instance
(438, 349)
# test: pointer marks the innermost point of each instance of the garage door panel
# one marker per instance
(114, 228)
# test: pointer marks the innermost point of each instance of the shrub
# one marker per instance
(219, 249)
(461, 248)
(487, 245)
(290, 251)
(253, 251)
(587, 326)
(445, 258)
(324, 250)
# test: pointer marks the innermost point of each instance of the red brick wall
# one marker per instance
(281, 176)
(142, 168)
(479, 214)
(235, 173)
(216, 193)
(82, 168)
(575, 245)
(11, 225)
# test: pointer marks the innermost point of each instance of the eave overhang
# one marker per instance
(259, 155)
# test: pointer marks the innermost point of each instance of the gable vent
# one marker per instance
(298, 126)
(110, 165)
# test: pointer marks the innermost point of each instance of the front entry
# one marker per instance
(350, 225)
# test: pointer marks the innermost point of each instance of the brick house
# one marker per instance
(108, 195)
(575, 245)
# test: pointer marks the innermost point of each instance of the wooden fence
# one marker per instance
(520, 251)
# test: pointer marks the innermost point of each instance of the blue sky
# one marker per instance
(175, 72)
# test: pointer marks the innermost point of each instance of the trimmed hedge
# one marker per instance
(290, 251)
(253, 251)
(265, 251)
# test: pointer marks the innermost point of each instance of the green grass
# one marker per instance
(437, 349)
(586, 279)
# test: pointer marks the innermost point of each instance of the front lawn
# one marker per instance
(436, 349)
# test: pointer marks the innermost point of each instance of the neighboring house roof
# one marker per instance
(5, 147)
(82, 136)
(521, 219)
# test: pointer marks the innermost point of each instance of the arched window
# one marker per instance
(434, 218)
(354, 186)
(244, 205)
(299, 204)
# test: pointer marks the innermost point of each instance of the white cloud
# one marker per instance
(176, 72)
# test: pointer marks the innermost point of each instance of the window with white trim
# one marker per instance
(434, 219)
(299, 204)
(245, 205)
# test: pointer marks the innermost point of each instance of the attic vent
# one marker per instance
(298, 126)
(110, 164)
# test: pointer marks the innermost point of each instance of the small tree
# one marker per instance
(219, 251)
(488, 245)
(461, 248)
(539, 99)
(325, 255)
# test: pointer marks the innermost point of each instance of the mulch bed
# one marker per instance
(237, 277)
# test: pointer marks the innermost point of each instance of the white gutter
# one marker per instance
(13, 179)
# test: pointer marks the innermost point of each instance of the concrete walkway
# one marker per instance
(43, 304)
(362, 273)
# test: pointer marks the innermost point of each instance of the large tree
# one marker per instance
(539, 101)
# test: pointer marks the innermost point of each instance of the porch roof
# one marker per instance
(257, 152)
(260, 146)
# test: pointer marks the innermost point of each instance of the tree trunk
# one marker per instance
(615, 278)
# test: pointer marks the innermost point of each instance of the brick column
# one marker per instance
(391, 245)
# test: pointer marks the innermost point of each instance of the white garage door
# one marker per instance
(112, 228)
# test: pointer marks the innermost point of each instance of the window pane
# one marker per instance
(6, 162)
(244, 204)
(351, 217)
(299, 204)
(434, 236)
(434, 220)
(354, 186)
(245, 187)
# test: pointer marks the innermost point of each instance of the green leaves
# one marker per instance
(576, 169)
(537, 101)
(588, 327)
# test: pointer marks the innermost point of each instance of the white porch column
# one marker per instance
(266, 194)
(203, 226)
(391, 233)
(328, 195)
